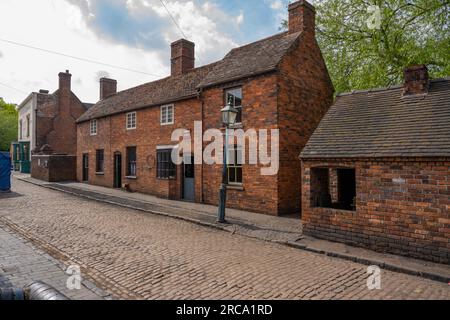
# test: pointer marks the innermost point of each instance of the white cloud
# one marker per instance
(276, 5)
(69, 27)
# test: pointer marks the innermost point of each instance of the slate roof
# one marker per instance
(384, 123)
(252, 59)
(158, 92)
(87, 106)
(246, 61)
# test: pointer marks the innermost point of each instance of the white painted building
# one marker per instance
(27, 121)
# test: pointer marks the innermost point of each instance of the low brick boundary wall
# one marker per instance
(402, 207)
(54, 168)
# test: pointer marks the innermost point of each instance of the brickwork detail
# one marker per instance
(402, 207)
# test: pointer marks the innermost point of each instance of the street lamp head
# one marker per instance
(229, 114)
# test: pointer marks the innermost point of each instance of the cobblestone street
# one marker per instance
(21, 264)
(135, 255)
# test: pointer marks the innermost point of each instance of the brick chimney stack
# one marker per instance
(302, 17)
(64, 93)
(417, 80)
(108, 87)
(183, 57)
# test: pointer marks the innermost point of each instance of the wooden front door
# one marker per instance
(85, 167)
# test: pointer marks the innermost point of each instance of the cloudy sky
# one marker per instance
(128, 34)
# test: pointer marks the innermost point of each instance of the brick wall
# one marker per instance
(259, 111)
(403, 207)
(53, 168)
(305, 95)
(55, 127)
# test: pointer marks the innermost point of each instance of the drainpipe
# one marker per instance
(199, 96)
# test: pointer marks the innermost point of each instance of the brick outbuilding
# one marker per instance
(280, 82)
(376, 172)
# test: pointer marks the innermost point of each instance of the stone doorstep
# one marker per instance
(410, 266)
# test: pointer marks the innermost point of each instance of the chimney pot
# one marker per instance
(183, 57)
(108, 87)
(44, 91)
(417, 80)
(302, 17)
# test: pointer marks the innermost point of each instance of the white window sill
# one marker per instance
(238, 187)
(131, 177)
(167, 123)
(99, 173)
(237, 126)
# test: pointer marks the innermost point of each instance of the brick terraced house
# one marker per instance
(376, 172)
(48, 119)
(280, 82)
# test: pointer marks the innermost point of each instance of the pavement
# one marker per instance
(21, 264)
(282, 230)
(134, 254)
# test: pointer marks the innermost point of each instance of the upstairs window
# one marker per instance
(235, 97)
(234, 161)
(131, 162)
(20, 130)
(131, 120)
(165, 168)
(167, 116)
(100, 161)
(28, 126)
(93, 127)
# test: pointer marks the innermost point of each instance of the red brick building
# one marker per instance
(49, 119)
(280, 82)
(376, 172)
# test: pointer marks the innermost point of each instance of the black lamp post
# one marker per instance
(229, 114)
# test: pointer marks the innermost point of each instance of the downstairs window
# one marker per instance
(333, 188)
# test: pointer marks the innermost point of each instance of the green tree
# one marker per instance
(368, 43)
(8, 125)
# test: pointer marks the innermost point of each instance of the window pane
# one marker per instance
(165, 167)
(239, 157)
(239, 175)
(231, 174)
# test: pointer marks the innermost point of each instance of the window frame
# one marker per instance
(167, 167)
(93, 124)
(240, 107)
(164, 121)
(129, 124)
(21, 129)
(129, 173)
(28, 125)
(97, 161)
(235, 166)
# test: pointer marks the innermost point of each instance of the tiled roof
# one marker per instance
(384, 123)
(252, 59)
(87, 106)
(166, 90)
(249, 60)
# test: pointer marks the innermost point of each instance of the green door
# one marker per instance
(25, 157)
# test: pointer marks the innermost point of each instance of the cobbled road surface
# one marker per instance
(135, 255)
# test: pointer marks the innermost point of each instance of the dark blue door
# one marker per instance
(5, 171)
